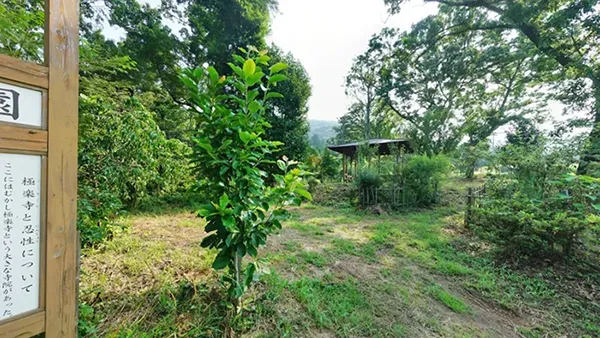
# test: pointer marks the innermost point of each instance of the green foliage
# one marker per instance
(421, 177)
(546, 228)
(86, 321)
(323, 164)
(469, 157)
(287, 114)
(123, 158)
(535, 166)
(368, 179)
(351, 127)
(562, 39)
(21, 29)
(228, 151)
(538, 208)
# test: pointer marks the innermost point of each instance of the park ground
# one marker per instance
(335, 272)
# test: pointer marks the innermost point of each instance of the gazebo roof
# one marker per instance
(350, 149)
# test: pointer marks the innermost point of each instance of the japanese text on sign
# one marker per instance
(20, 105)
(20, 189)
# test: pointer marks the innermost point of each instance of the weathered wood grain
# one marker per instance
(25, 327)
(23, 72)
(62, 33)
(27, 140)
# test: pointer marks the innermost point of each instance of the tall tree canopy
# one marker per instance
(287, 115)
(460, 86)
(565, 32)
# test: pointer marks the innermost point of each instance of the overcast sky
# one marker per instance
(325, 35)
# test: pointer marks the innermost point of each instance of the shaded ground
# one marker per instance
(336, 273)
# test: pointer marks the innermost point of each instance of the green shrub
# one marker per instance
(334, 194)
(367, 179)
(229, 152)
(534, 167)
(541, 228)
(123, 158)
(421, 176)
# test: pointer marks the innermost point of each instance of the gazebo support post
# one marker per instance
(345, 167)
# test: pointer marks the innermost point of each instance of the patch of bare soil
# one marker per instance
(487, 317)
(406, 301)
(177, 230)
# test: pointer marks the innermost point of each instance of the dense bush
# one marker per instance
(334, 194)
(123, 158)
(536, 207)
(322, 164)
(421, 177)
(548, 227)
(412, 182)
(535, 167)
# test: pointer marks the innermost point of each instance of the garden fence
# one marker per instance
(394, 197)
(473, 195)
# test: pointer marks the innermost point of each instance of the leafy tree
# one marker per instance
(21, 29)
(217, 28)
(229, 149)
(464, 85)
(361, 85)
(287, 115)
(352, 125)
(564, 32)
(123, 157)
(524, 133)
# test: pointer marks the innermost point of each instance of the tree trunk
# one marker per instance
(238, 280)
(590, 161)
(470, 170)
(368, 120)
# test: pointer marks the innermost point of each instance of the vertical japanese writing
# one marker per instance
(8, 225)
(28, 241)
(20, 177)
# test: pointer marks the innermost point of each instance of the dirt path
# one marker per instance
(337, 273)
(420, 314)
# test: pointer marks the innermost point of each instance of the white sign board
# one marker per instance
(20, 105)
(20, 192)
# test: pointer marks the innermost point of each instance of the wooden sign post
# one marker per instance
(38, 183)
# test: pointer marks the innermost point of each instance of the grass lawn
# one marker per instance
(335, 273)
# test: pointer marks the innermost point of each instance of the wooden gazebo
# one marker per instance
(384, 147)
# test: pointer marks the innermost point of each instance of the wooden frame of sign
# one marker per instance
(38, 134)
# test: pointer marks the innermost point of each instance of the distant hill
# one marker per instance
(320, 132)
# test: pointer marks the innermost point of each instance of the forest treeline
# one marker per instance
(447, 84)
(135, 130)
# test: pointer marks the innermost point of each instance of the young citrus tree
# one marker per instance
(229, 153)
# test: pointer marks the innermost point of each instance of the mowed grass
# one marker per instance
(335, 273)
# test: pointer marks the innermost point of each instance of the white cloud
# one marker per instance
(325, 35)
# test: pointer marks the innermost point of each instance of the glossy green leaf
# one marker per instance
(236, 69)
(272, 95)
(249, 67)
(214, 75)
(276, 68)
(221, 261)
(224, 201)
(277, 78)
(304, 193)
